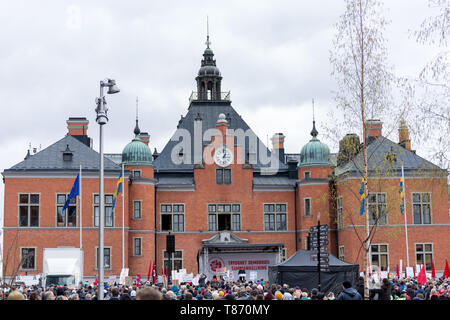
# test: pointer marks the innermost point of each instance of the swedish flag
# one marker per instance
(363, 198)
(402, 196)
(118, 190)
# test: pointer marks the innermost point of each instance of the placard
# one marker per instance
(128, 281)
(384, 274)
(112, 280)
(123, 275)
(409, 272)
(253, 275)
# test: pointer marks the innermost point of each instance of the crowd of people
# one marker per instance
(216, 289)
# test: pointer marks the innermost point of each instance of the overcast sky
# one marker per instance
(273, 55)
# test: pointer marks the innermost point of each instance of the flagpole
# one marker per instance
(404, 213)
(81, 212)
(123, 218)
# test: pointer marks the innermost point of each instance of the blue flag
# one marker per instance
(74, 192)
(363, 198)
(118, 190)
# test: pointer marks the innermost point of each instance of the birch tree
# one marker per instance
(428, 94)
(364, 84)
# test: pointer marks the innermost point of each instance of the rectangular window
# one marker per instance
(109, 218)
(136, 173)
(377, 209)
(340, 221)
(212, 222)
(106, 258)
(224, 217)
(176, 260)
(424, 255)
(28, 258)
(275, 215)
(137, 214)
(172, 217)
(341, 253)
(236, 222)
(29, 210)
(421, 208)
(68, 217)
(307, 175)
(307, 207)
(137, 244)
(380, 256)
(223, 176)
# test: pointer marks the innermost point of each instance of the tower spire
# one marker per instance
(314, 131)
(207, 33)
(137, 131)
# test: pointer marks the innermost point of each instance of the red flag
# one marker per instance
(96, 281)
(405, 273)
(398, 272)
(433, 271)
(149, 270)
(414, 270)
(422, 278)
(446, 270)
(138, 280)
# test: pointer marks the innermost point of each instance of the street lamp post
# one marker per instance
(102, 119)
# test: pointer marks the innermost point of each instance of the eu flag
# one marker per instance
(402, 196)
(363, 198)
(118, 190)
(74, 192)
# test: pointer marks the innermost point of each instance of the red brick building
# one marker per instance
(229, 200)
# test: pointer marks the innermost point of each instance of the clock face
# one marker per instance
(223, 156)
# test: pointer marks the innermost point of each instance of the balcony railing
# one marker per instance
(224, 96)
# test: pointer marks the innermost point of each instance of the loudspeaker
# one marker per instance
(170, 243)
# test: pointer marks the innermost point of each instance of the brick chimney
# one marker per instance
(77, 127)
(145, 137)
(278, 145)
(403, 136)
(374, 128)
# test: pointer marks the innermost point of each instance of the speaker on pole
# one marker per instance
(170, 243)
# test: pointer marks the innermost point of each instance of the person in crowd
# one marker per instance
(349, 293)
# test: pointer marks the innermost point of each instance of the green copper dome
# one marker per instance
(315, 153)
(137, 152)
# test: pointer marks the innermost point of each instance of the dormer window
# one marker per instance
(67, 154)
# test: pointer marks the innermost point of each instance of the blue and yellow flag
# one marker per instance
(402, 196)
(118, 190)
(363, 198)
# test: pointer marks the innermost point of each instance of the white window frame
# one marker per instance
(35, 258)
(424, 253)
(110, 258)
(140, 210)
(275, 213)
(134, 247)
(310, 207)
(29, 204)
(379, 253)
(421, 210)
(161, 213)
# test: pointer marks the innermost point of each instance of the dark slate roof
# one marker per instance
(377, 151)
(209, 113)
(303, 258)
(169, 180)
(273, 181)
(51, 158)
